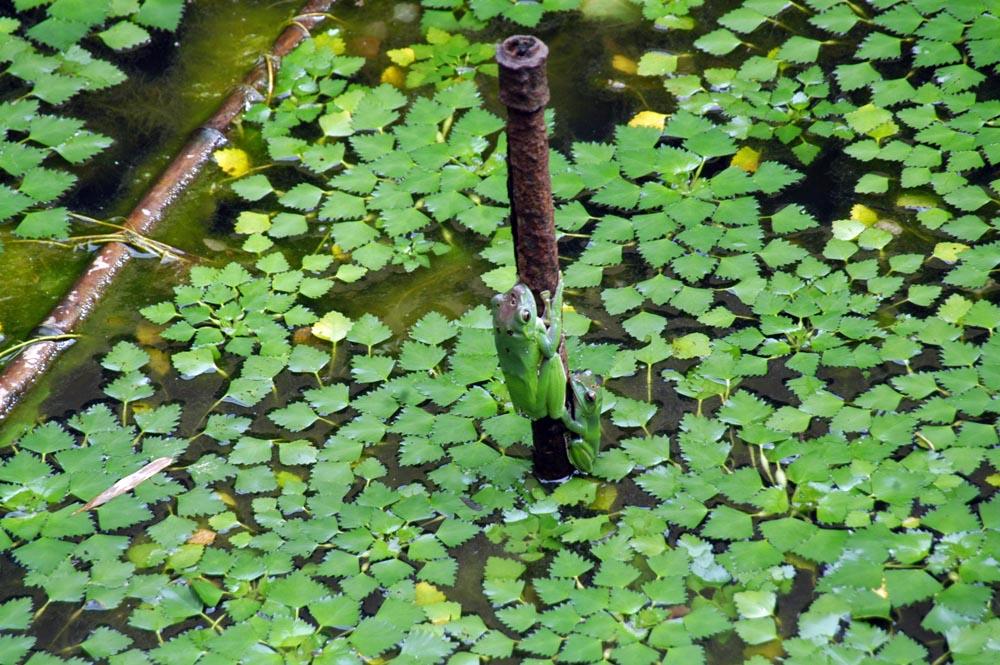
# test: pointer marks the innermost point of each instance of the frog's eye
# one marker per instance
(525, 315)
(591, 396)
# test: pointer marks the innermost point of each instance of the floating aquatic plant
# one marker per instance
(48, 58)
(803, 398)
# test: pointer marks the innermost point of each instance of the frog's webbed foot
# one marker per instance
(546, 317)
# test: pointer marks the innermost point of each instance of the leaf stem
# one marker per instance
(35, 340)
(943, 658)
(649, 383)
(41, 610)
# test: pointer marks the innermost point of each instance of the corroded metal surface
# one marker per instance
(530, 189)
(524, 90)
(25, 369)
(524, 83)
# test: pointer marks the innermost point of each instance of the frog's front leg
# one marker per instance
(551, 320)
(552, 373)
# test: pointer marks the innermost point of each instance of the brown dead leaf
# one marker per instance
(678, 611)
(302, 335)
(202, 537)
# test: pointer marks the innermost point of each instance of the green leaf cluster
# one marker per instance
(802, 401)
(47, 57)
(475, 15)
(384, 182)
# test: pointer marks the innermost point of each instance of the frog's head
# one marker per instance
(586, 390)
(514, 311)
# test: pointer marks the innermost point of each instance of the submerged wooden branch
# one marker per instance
(22, 372)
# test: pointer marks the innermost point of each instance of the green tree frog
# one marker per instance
(585, 420)
(528, 348)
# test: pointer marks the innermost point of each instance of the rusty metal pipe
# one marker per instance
(524, 90)
(22, 372)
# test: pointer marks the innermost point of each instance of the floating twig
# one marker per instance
(127, 484)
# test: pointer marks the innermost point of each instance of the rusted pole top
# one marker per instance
(524, 90)
(524, 84)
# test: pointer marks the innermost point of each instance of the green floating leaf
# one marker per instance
(195, 362)
(162, 14)
(52, 223)
(718, 42)
(124, 35)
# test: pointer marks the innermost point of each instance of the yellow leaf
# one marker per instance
(233, 161)
(402, 56)
(339, 253)
(863, 214)
(286, 478)
(915, 200)
(148, 334)
(770, 651)
(393, 75)
(624, 64)
(800, 562)
(648, 119)
(746, 158)
(993, 479)
(606, 495)
(949, 251)
(333, 327)
(885, 130)
(330, 42)
(427, 594)
(159, 361)
(437, 36)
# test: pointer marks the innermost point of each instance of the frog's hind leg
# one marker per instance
(554, 384)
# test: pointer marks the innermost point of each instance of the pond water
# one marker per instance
(778, 234)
